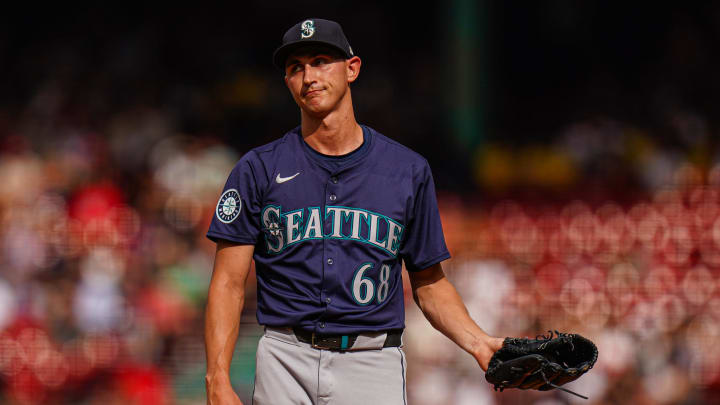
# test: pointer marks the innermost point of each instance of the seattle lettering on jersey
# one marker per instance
(346, 223)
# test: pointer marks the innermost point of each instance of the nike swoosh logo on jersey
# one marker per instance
(279, 179)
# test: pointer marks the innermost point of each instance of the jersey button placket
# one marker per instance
(329, 251)
(331, 190)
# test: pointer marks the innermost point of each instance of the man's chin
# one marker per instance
(318, 110)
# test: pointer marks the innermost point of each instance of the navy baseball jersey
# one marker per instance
(329, 239)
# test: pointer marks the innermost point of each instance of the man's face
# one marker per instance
(318, 79)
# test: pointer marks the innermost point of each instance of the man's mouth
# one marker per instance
(312, 92)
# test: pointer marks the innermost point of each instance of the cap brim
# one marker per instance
(281, 54)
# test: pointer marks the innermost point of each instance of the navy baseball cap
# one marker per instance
(313, 31)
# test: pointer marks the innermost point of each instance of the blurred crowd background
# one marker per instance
(574, 147)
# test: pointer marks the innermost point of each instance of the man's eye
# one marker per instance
(320, 61)
(294, 68)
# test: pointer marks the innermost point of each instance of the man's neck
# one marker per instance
(334, 134)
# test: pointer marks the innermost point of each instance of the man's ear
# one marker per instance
(353, 68)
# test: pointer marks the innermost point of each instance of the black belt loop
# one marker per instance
(394, 338)
(343, 342)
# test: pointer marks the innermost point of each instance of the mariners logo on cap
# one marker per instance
(229, 206)
(307, 29)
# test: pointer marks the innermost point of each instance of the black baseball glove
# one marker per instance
(543, 363)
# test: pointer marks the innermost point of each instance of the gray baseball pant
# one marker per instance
(292, 372)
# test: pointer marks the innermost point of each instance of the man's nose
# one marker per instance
(309, 74)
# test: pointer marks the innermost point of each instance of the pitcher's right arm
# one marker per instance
(226, 298)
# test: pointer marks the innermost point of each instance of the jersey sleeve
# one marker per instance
(424, 242)
(237, 213)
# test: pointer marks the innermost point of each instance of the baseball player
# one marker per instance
(329, 212)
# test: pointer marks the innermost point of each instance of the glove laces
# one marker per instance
(542, 373)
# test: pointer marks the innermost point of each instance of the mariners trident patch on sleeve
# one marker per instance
(229, 206)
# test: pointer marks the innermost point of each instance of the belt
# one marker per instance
(344, 342)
